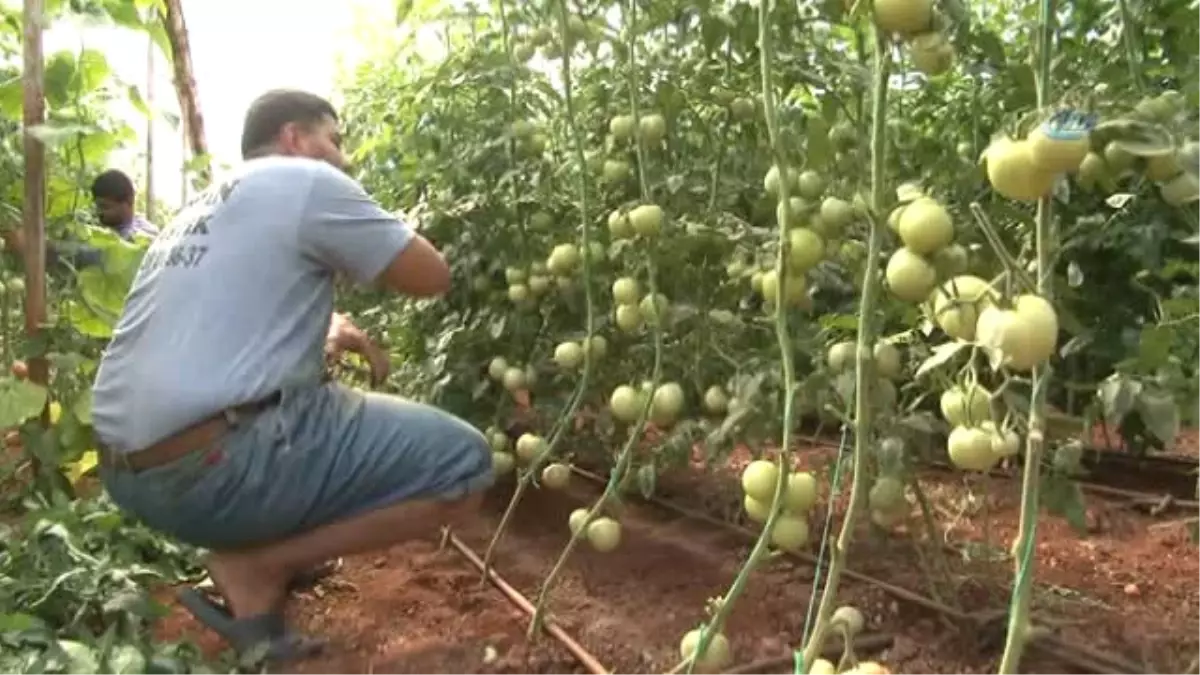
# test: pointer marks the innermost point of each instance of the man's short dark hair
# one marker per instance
(113, 184)
(269, 113)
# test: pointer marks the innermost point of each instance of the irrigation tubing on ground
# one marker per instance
(577, 650)
(1095, 661)
(862, 644)
(897, 591)
(1098, 488)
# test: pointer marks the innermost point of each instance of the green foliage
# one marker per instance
(75, 574)
(440, 148)
(472, 145)
(73, 580)
(443, 140)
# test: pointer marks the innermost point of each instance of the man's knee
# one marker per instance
(424, 451)
(475, 455)
(462, 458)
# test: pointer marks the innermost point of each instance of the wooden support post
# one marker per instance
(185, 81)
(34, 213)
(150, 48)
(183, 164)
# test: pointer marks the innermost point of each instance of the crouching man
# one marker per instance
(213, 418)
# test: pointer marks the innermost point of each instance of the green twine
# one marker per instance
(798, 655)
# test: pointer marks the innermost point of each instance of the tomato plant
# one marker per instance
(75, 573)
(954, 232)
(893, 217)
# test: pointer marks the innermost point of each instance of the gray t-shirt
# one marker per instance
(233, 300)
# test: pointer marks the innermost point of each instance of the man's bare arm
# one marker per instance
(419, 270)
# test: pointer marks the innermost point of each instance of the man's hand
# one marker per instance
(14, 240)
(344, 336)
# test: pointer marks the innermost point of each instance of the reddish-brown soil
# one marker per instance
(412, 610)
(1128, 587)
(1090, 587)
(1186, 443)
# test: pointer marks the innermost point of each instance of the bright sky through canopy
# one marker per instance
(240, 48)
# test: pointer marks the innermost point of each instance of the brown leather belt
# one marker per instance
(199, 436)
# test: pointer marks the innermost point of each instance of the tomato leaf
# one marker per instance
(1136, 137)
(994, 355)
(1062, 496)
(1074, 275)
(1117, 395)
(922, 423)
(942, 354)
(909, 191)
(76, 470)
(844, 385)
(1075, 345)
(82, 407)
(647, 477)
(13, 623)
(818, 151)
(125, 658)
(1118, 200)
(19, 400)
(78, 657)
(1159, 413)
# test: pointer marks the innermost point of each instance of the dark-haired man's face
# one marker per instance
(113, 212)
(322, 141)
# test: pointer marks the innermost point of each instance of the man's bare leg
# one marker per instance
(254, 580)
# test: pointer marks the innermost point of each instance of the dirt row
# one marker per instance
(629, 607)
(1129, 587)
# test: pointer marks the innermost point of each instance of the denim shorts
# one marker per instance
(323, 454)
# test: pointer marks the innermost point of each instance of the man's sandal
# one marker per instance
(265, 637)
(313, 576)
(301, 582)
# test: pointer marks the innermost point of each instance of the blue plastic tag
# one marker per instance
(1069, 125)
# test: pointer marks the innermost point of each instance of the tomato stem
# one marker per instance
(624, 459)
(562, 425)
(782, 334)
(997, 244)
(864, 357)
(939, 570)
(1128, 41)
(6, 311)
(511, 146)
(1018, 612)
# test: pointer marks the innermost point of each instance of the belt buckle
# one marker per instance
(117, 460)
(124, 462)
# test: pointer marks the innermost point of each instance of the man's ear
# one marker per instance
(290, 136)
